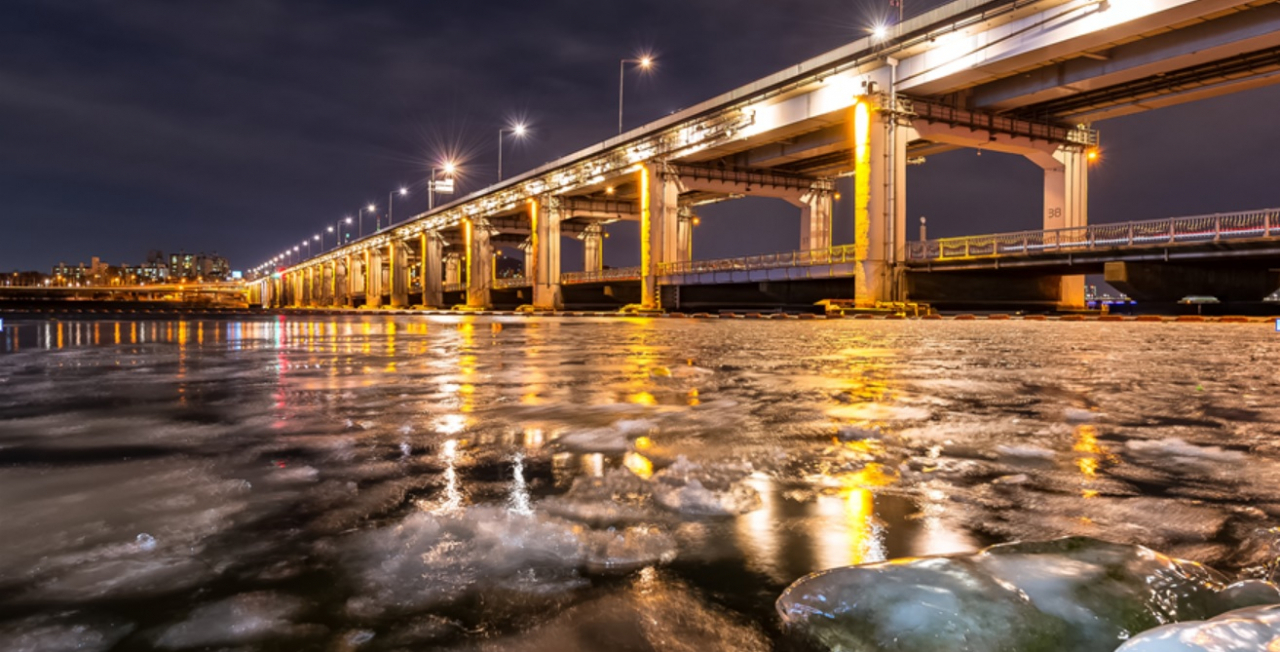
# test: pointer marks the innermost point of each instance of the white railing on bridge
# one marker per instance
(611, 274)
(513, 282)
(1176, 230)
(810, 258)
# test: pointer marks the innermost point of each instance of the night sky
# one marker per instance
(245, 126)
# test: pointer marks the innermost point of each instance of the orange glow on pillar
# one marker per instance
(647, 267)
(533, 243)
(467, 228)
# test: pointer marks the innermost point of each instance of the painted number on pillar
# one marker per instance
(1055, 213)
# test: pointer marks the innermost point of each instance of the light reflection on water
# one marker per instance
(826, 444)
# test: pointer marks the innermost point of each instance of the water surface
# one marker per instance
(386, 483)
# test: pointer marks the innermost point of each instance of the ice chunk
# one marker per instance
(240, 619)
(433, 559)
(1255, 629)
(62, 633)
(714, 490)
(1066, 595)
(628, 548)
(1106, 592)
(916, 606)
(1176, 451)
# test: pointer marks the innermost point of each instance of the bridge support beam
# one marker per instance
(1066, 204)
(684, 234)
(479, 263)
(880, 209)
(815, 220)
(1169, 283)
(546, 215)
(373, 278)
(399, 273)
(659, 215)
(592, 248)
(432, 269)
(453, 268)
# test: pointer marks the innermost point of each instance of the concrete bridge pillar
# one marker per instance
(373, 278)
(546, 215)
(398, 274)
(815, 220)
(432, 269)
(880, 160)
(1066, 204)
(685, 221)
(659, 216)
(592, 248)
(340, 279)
(527, 248)
(477, 234)
(453, 269)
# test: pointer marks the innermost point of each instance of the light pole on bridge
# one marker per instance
(391, 203)
(443, 186)
(518, 130)
(644, 63)
(361, 214)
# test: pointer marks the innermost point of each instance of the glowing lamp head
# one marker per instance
(450, 168)
(1093, 155)
(317, 236)
(518, 130)
(371, 208)
(646, 61)
(346, 221)
(330, 229)
(880, 31)
(404, 191)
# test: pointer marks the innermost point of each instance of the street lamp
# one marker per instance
(362, 211)
(339, 223)
(443, 186)
(307, 244)
(644, 63)
(518, 130)
(335, 238)
(390, 204)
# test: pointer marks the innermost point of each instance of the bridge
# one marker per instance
(225, 292)
(1024, 77)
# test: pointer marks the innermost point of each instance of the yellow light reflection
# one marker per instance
(859, 538)
(643, 398)
(638, 464)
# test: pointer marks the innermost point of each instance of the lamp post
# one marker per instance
(443, 186)
(361, 213)
(307, 244)
(644, 63)
(335, 239)
(338, 224)
(518, 130)
(390, 196)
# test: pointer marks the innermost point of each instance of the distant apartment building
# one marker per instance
(177, 267)
(196, 267)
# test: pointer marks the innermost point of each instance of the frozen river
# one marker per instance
(495, 483)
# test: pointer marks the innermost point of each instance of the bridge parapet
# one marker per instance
(511, 283)
(597, 276)
(1195, 229)
(837, 254)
